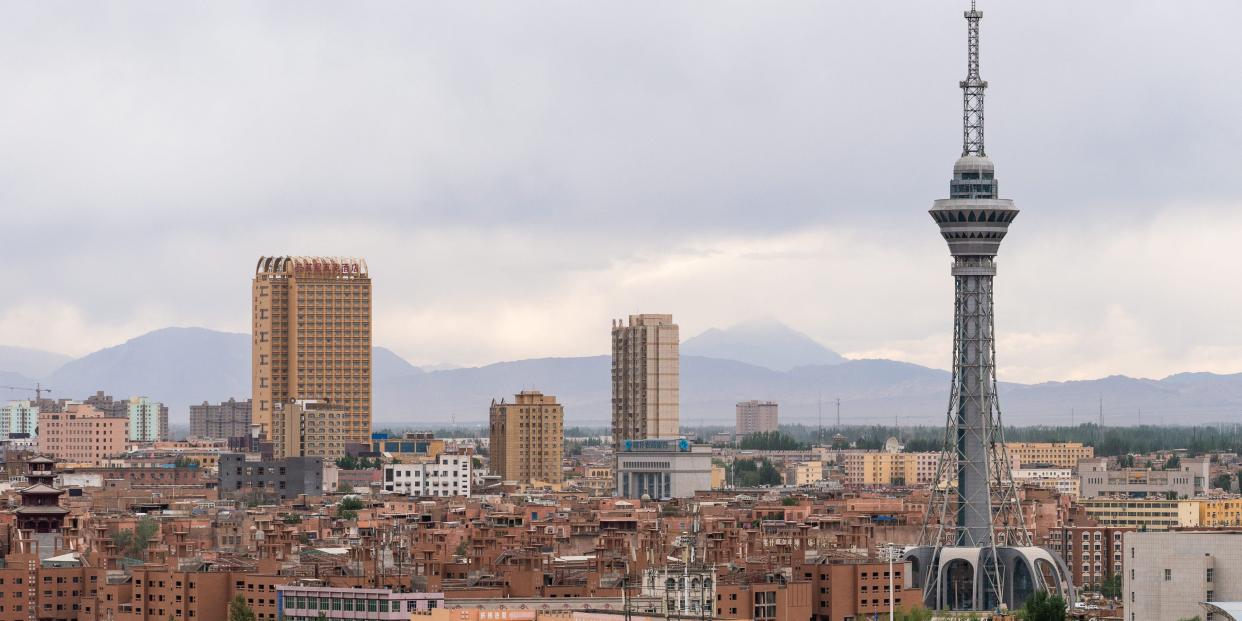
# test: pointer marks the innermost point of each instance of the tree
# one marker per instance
(770, 441)
(133, 543)
(462, 549)
(913, 614)
(768, 474)
(789, 501)
(348, 508)
(1173, 463)
(1111, 587)
(345, 488)
(1222, 481)
(239, 610)
(752, 473)
(1042, 607)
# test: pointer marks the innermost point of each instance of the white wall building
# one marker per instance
(1168, 574)
(1061, 479)
(448, 475)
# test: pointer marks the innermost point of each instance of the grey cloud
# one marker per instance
(157, 148)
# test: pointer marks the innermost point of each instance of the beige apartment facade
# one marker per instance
(312, 339)
(308, 429)
(883, 468)
(1060, 454)
(646, 375)
(756, 417)
(527, 438)
(81, 434)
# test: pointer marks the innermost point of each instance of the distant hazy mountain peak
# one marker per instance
(30, 362)
(763, 342)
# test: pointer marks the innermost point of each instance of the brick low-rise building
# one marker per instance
(309, 603)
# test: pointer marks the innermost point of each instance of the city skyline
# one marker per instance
(671, 126)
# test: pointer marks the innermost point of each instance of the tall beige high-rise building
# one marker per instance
(312, 339)
(646, 372)
(528, 438)
(756, 417)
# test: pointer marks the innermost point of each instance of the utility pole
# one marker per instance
(819, 409)
(1100, 430)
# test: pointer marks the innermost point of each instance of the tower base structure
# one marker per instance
(964, 578)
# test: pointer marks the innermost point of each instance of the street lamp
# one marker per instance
(890, 550)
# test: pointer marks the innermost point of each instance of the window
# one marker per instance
(1210, 575)
(1168, 575)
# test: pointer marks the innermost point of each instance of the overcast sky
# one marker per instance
(518, 173)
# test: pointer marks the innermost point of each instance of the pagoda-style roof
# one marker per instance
(41, 489)
(35, 510)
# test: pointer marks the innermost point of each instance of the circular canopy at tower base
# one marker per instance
(1228, 611)
(963, 578)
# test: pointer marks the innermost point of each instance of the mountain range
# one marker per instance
(755, 360)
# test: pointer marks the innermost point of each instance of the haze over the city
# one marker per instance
(517, 176)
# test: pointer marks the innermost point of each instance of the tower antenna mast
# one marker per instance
(972, 90)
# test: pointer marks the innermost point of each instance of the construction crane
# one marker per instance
(38, 390)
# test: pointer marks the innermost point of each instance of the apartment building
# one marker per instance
(527, 438)
(227, 419)
(646, 377)
(1142, 513)
(148, 420)
(448, 475)
(1093, 554)
(1187, 480)
(81, 434)
(1063, 480)
(308, 428)
(1220, 512)
(756, 417)
(803, 473)
(846, 587)
(19, 419)
(882, 468)
(312, 338)
(1060, 454)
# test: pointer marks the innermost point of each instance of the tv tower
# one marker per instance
(975, 551)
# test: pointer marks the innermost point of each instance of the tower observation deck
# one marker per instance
(976, 553)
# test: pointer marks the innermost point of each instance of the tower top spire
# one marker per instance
(972, 89)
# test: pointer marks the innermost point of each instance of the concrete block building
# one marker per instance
(227, 419)
(283, 479)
